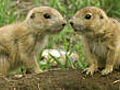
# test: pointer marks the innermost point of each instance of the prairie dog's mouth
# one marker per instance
(77, 29)
(58, 29)
(81, 30)
(55, 30)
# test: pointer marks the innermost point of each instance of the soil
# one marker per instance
(72, 79)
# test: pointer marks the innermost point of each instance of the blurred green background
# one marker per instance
(14, 10)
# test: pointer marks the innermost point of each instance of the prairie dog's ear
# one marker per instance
(101, 16)
(32, 16)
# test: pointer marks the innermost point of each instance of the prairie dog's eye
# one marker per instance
(47, 16)
(88, 16)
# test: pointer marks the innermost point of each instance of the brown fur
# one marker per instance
(21, 42)
(100, 37)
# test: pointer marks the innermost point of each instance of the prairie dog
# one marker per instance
(21, 42)
(101, 38)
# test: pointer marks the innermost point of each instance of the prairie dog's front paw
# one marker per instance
(90, 70)
(107, 70)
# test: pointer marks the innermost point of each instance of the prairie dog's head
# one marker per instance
(89, 19)
(45, 19)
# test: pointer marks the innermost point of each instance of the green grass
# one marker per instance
(6, 14)
(66, 46)
(67, 8)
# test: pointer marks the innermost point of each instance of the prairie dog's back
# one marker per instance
(7, 33)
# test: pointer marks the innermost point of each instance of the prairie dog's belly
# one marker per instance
(100, 51)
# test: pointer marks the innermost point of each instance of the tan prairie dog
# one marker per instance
(21, 42)
(101, 38)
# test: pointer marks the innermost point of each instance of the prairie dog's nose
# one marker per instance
(63, 24)
(71, 23)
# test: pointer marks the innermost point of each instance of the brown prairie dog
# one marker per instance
(101, 38)
(21, 42)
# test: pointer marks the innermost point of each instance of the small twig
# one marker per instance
(116, 81)
(83, 77)
(38, 86)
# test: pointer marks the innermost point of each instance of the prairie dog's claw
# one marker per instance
(90, 70)
(107, 70)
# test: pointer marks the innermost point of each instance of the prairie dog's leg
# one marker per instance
(4, 64)
(93, 64)
(110, 61)
(31, 65)
(92, 61)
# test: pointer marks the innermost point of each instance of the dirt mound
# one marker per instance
(62, 80)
